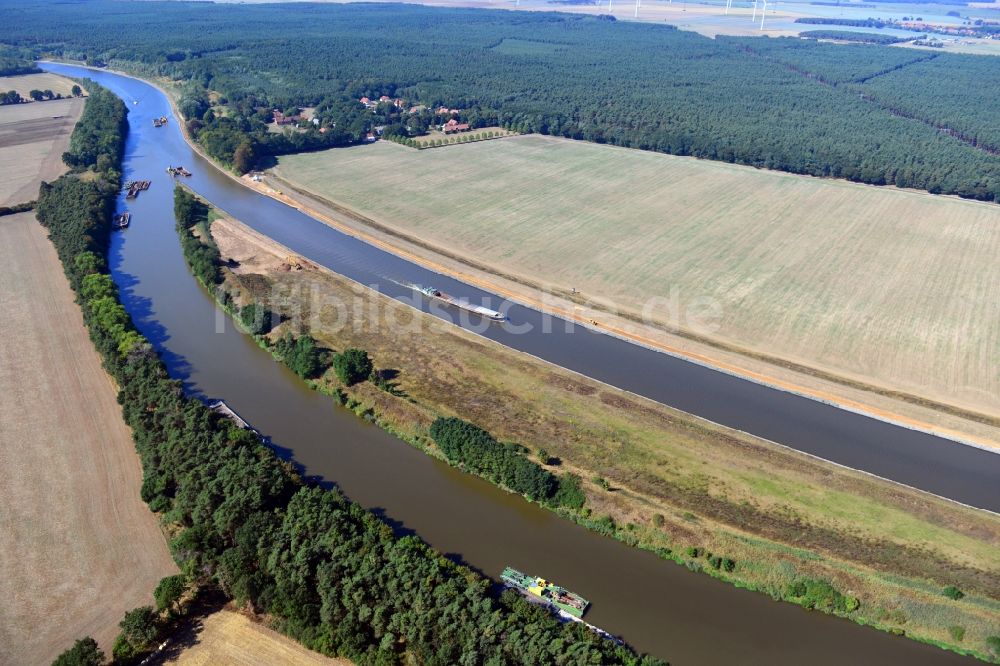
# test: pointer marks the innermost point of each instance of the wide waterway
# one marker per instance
(657, 606)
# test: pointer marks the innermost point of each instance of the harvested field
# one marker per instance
(226, 638)
(25, 83)
(77, 545)
(878, 285)
(33, 138)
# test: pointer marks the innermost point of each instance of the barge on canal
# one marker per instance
(462, 303)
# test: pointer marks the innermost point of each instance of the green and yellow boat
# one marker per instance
(542, 590)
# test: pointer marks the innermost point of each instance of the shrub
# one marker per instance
(658, 520)
(570, 493)
(956, 632)
(352, 366)
(256, 319)
(953, 592)
(820, 594)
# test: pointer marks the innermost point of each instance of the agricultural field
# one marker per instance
(25, 83)
(227, 638)
(33, 138)
(880, 285)
(78, 547)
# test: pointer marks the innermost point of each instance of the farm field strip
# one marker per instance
(78, 547)
(25, 83)
(33, 138)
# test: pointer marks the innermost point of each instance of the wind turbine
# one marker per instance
(754, 19)
(729, 3)
(764, 13)
(637, 8)
(609, 6)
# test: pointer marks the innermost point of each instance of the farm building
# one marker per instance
(454, 126)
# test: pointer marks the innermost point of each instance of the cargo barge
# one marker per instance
(178, 171)
(136, 186)
(540, 589)
(463, 303)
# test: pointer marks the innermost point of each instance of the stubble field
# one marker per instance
(33, 138)
(880, 285)
(78, 547)
(25, 83)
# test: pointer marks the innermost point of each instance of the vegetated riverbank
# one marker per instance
(742, 510)
(242, 519)
(301, 558)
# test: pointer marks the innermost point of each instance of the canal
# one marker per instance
(657, 606)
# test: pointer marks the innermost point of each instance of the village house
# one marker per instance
(281, 119)
(418, 108)
(453, 126)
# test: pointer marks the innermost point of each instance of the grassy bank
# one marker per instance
(700, 495)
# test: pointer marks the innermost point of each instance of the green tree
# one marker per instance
(139, 628)
(36, 95)
(243, 157)
(256, 319)
(168, 592)
(76, 90)
(352, 366)
(83, 653)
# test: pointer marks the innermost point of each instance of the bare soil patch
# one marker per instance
(77, 545)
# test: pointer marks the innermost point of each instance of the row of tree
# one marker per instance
(201, 254)
(476, 449)
(335, 576)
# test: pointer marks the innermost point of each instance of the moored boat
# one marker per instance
(545, 591)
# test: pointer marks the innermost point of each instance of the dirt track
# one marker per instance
(77, 546)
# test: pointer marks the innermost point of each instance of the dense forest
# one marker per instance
(14, 62)
(336, 577)
(761, 102)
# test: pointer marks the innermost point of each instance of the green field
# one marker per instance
(894, 287)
